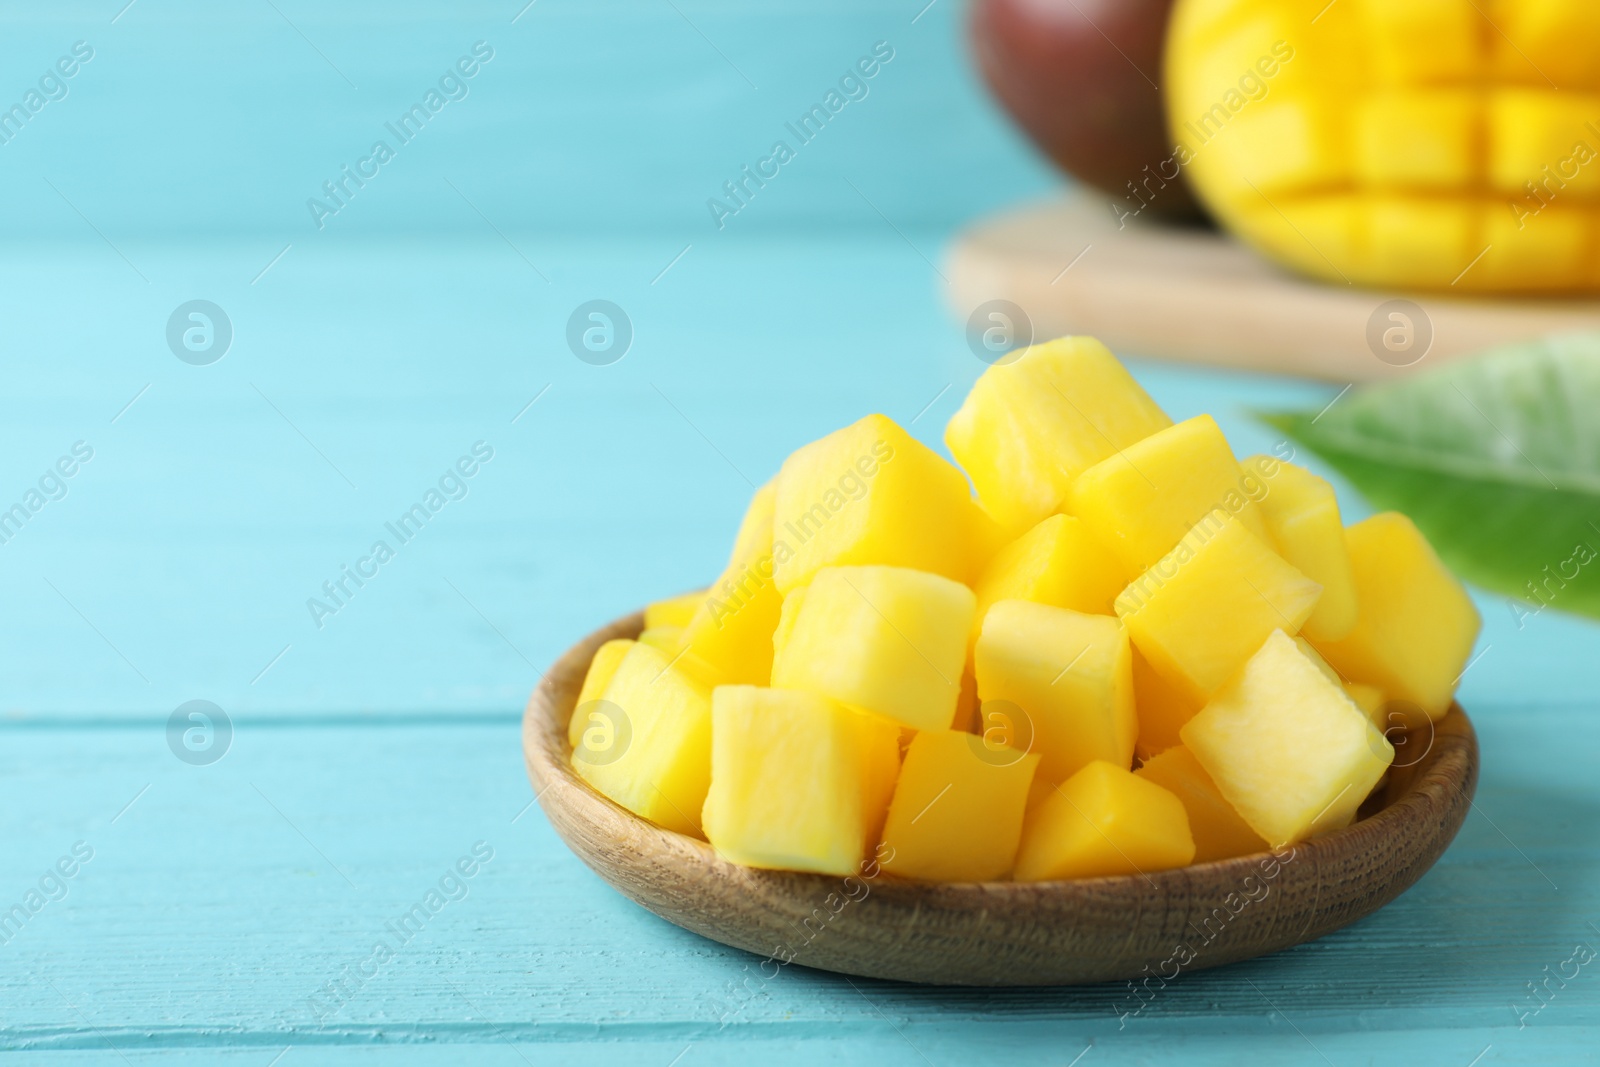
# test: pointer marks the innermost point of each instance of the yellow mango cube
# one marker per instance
(650, 750)
(1162, 709)
(734, 636)
(1369, 698)
(1033, 422)
(872, 494)
(1205, 608)
(787, 614)
(1219, 831)
(1287, 747)
(1057, 562)
(755, 529)
(668, 639)
(1104, 821)
(1302, 515)
(733, 627)
(1070, 676)
(675, 612)
(1309, 651)
(885, 639)
(602, 667)
(1140, 502)
(796, 780)
(967, 715)
(1416, 625)
(957, 810)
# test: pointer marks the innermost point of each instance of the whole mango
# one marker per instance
(1079, 77)
(1423, 144)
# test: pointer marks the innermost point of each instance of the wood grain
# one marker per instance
(1198, 296)
(1003, 933)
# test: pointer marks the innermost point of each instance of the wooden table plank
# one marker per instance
(217, 904)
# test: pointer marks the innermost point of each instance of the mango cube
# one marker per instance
(1416, 624)
(798, 781)
(1162, 709)
(871, 494)
(602, 667)
(1057, 562)
(732, 629)
(1309, 651)
(1070, 674)
(668, 639)
(1104, 821)
(1141, 501)
(885, 639)
(787, 615)
(650, 750)
(1303, 517)
(755, 529)
(1369, 698)
(1219, 831)
(967, 715)
(1031, 424)
(957, 810)
(674, 612)
(1286, 747)
(1205, 608)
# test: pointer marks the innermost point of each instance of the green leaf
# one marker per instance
(1496, 459)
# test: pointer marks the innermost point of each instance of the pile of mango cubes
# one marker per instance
(1128, 651)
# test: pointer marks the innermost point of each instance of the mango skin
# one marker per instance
(1446, 145)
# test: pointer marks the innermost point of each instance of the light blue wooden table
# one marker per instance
(228, 911)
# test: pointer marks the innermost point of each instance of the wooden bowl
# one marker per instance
(1007, 933)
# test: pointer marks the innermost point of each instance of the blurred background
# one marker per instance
(372, 351)
(421, 316)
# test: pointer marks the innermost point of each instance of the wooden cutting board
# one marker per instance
(1198, 296)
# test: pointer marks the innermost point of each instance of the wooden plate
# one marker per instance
(1006, 933)
(1198, 296)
